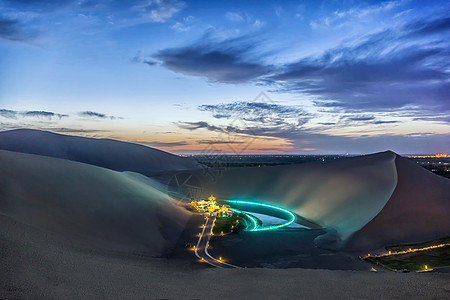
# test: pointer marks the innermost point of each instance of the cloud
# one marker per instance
(364, 119)
(357, 13)
(13, 114)
(421, 28)
(92, 114)
(185, 25)
(214, 142)
(199, 125)
(158, 11)
(111, 13)
(385, 122)
(53, 3)
(380, 71)
(163, 144)
(9, 114)
(12, 30)
(225, 61)
(44, 114)
(234, 17)
(72, 130)
(178, 26)
(96, 115)
(400, 67)
(141, 59)
(434, 118)
(361, 118)
(300, 138)
(268, 114)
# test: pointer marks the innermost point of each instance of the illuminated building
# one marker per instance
(211, 207)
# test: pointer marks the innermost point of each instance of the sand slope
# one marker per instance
(111, 154)
(341, 196)
(39, 265)
(94, 206)
(419, 210)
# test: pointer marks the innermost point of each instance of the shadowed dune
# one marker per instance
(419, 210)
(106, 153)
(100, 208)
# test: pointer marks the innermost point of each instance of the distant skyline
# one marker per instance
(288, 77)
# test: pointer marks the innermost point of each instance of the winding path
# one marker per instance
(201, 249)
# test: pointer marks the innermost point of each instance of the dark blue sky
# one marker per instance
(187, 76)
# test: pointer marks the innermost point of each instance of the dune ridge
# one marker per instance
(106, 153)
(417, 211)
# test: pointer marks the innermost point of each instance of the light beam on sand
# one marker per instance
(261, 228)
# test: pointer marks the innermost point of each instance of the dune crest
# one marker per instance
(418, 211)
(106, 153)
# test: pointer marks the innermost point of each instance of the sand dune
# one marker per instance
(93, 206)
(342, 196)
(72, 230)
(39, 265)
(106, 153)
(364, 202)
(360, 201)
(419, 210)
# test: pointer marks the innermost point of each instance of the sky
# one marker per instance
(236, 77)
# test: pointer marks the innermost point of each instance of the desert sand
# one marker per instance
(341, 196)
(418, 210)
(88, 204)
(74, 230)
(37, 264)
(360, 202)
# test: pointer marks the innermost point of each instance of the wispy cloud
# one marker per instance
(199, 125)
(72, 130)
(268, 114)
(92, 114)
(13, 114)
(113, 13)
(218, 142)
(158, 10)
(339, 18)
(361, 118)
(9, 114)
(95, 115)
(234, 17)
(300, 138)
(163, 144)
(424, 28)
(44, 114)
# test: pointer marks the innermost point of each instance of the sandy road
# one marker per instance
(201, 248)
